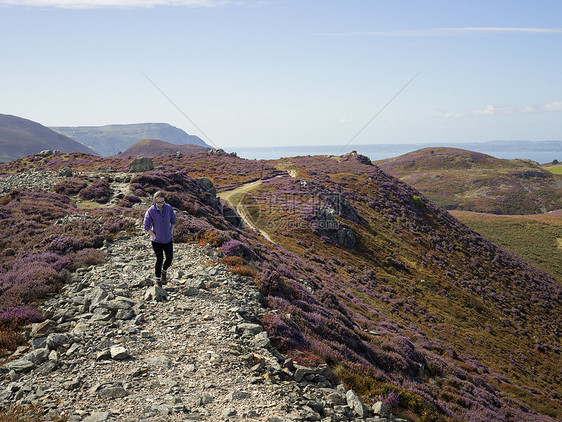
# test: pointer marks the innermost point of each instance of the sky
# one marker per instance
(252, 73)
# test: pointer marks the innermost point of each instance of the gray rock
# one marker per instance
(37, 356)
(355, 403)
(118, 303)
(20, 365)
(304, 414)
(125, 314)
(97, 417)
(203, 399)
(159, 361)
(99, 294)
(157, 294)
(141, 164)
(38, 343)
(103, 355)
(198, 283)
(119, 352)
(190, 291)
(162, 409)
(71, 385)
(335, 398)
(380, 409)
(47, 368)
(55, 340)
(72, 349)
(113, 392)
(261, 340)
(65, 172)
(250, 329)
(81, 328)
(237, 395)
(43, 328)
(229, 412)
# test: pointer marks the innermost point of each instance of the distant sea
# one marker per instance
(539, 151)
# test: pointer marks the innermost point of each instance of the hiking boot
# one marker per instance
(164, 277)
(158, 282)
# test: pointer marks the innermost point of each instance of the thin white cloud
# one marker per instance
(553, 106)
(502, 110)
(437, 32)
(104, 4)
(453, 115)
(495, 29)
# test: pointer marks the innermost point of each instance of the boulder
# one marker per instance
(141, 164)
(156, 293)
(355, 403)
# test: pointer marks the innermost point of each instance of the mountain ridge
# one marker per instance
(20, 137)
(112, 139)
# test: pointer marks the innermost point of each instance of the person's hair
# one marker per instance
(158, 195)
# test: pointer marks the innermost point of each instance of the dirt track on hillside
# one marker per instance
(235, 198)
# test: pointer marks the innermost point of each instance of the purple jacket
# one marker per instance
(160, 222)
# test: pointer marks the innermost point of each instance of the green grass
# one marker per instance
(538, 241)
(557, 169)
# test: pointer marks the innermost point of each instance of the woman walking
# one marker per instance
(159, 222)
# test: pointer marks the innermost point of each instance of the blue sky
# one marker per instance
(284, 72)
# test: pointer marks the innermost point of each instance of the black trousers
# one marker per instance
(160, 249)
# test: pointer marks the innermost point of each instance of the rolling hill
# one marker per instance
(362, 273)
(471, 181)
(156, 147)
(20, 137)
(112, 139)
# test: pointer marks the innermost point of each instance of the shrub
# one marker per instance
(232, 261)
(11, 335)
(20, 313)
(99, 191)
(235, 248)
(213, 238)
(244, 270)
(70, 187)
(86, 257)
(28, 413)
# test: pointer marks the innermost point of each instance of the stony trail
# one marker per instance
(110, 352)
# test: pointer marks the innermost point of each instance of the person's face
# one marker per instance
(160, 201)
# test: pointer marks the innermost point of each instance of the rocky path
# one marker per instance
(110, 352)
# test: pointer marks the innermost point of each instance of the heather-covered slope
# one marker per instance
(471, 181)
(365, 274)
(20, 137)
(156, 147)
(112, 139)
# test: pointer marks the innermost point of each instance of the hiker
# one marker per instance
(159, 222)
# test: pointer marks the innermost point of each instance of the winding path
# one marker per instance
(235, 198)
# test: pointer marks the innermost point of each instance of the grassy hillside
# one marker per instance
(537, 238)
(556, 169)
(471, 181)
(364, 273)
